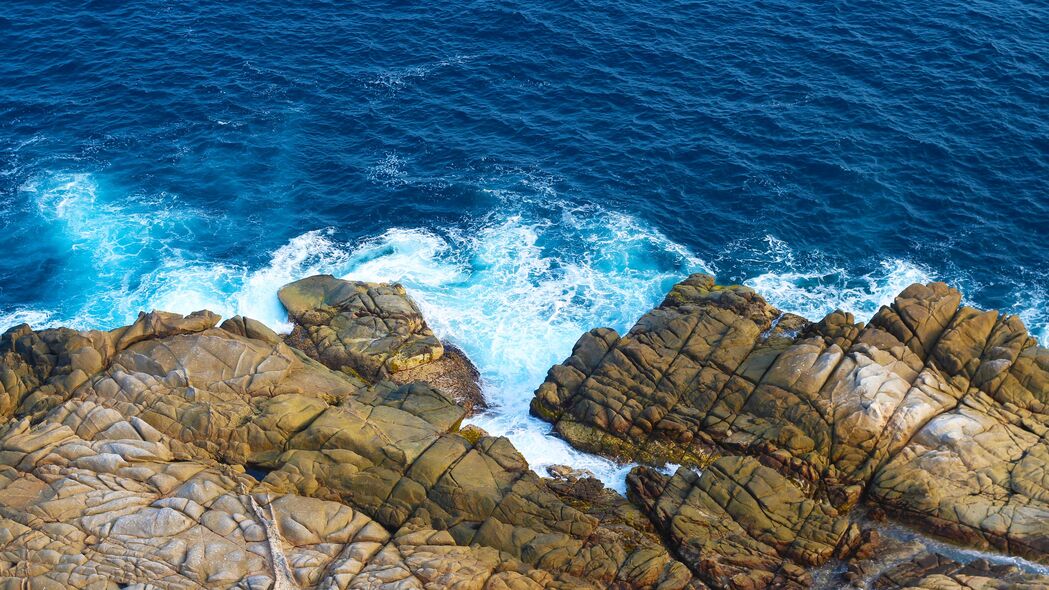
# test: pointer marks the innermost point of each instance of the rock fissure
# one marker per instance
(123, 457)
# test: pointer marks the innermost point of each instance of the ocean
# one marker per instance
(527, 170)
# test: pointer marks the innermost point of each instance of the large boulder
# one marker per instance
(368, 329)
(937, 411)
(375, 331)
(238, 397)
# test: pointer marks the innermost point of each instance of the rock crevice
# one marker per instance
(933, 410)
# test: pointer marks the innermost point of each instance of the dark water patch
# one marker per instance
(257, 471)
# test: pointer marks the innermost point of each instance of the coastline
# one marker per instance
(311, 421)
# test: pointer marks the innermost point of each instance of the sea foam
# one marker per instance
(815, 287)
(514, 289)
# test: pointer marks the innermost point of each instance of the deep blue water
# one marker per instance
(528, 170)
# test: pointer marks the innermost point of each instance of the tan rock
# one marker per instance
(368, 329)
(151, 435)
(936, 410)
(740, 524)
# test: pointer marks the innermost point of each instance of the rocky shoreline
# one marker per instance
(179, 452)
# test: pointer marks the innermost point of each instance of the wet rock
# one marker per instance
(680, 379)
(933, 571)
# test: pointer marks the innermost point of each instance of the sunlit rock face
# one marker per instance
(933, 411)
(125, 453)
(183, 452)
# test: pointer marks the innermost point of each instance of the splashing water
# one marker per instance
(814, 287)
(514, 288)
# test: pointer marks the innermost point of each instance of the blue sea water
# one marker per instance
(527, 170)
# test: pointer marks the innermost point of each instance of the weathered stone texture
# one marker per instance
(934, 410)
(123, 419)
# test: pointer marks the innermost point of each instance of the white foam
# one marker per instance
(311, 253)
(815, 292)
(389, 171)
(814, 288)
(36, 318)
(514, 290)
(228, 290)
(516, 293)
(900, 532)
(113, 233)
(183, 288)
(1034, 311)
(395, 78)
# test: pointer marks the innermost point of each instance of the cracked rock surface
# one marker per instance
(933, 410)
(368, 329)
(375, 331)
(178, 452)
(123, 462)
(932, 571)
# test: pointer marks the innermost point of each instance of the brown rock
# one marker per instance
(938, 412)
(739, 524)
(183, 397)
(367, 329)
(454, 374)
(375, 331)
(935, 572)
(117, 508)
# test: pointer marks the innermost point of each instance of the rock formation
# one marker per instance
(124, 463)
(179, 453)
(367, 329)
(375, 331)
(935, 411)
(932, 571)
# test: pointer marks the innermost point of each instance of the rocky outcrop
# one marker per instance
(125, 463)
(977, 471)
(375, 331)
(681, 378)
(740, 524)
(180, 453)
(934, 410)
(99, 501)
(932, 571)
(367, 329)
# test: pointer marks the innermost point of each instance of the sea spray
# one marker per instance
(514, 288)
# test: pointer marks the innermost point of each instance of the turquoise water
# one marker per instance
(528, 171)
